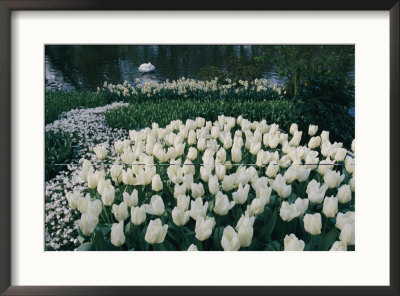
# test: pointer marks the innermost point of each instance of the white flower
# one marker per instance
(289, 211)
(240, 196)
(192, 154)
(197, 190)
(349, 164)
(230, 239)
(228, 182)
(293, 128)
(339, 246)
(138, 215)
(315, 191)
(347, 234)
(73, 199)
(204, 227)
(116, 173)
(342, 219)
(330, 207)
(101, 151)
(325, 165)
(292, 243)
(312, 129)
(344, 194)
(156, 183)
(179, 216)
(236, 154)
(119, 146)
(279, 185)
(108, 195)
(220, 171)
(183, 202)
(340, 154)
(272, 169)
(117, 234)
(245, 230)
(156, 206)
(353, 145)
(333, 178)
(120, 211)
(314, 142)
(222, 204)
(312, 223)
(131, 200)
(156, 232)
(197, 209)
(213, 185)
(87, 223)
(192, 247)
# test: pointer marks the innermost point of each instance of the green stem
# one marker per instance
(311, 241)
(137, 227)
(325, 224)
(183, 239)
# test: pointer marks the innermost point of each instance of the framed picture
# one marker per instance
(139, 132)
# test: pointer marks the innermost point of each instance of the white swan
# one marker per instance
(146, 68)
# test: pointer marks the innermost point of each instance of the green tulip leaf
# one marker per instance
(328, 239)
(86, 247)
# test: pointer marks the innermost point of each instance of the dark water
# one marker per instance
(84, 67)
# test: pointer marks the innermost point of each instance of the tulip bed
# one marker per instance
(231, 184)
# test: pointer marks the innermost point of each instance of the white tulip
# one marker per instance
(312, 223)
(312, 129)
(156, 206)
(87, 223)
(101, 151)
(221, 156)
(183, 202)
(344, 194)
(340, 154)
(220, 171)
(279, 185)
(102, 184)
(156, 232)
(228, 182)
(120, 211)
(339, 246)
(205, 173)
(116, 173)
(314, 142)
(333, 178)
(245, 230)
(315, 191)
(188, 180)
(272, 169)
(119, 146)
(156, 183)
(197, 190)
(240, 196)
(192, 154)
(192, 247)
(108, 195)
(349, 164)
(138, 215)
(342, 219)
(330, 207)
(230, 239)
(222, 204)
(131, 200)
(293, 128)
(197, 209)
(213, 185)
(292, 243)
(73, 199)
(204, 227)
(188, 167)
(117, 234)
(179, 216)
(347, 234)
(236, 154)
(289, 211)
(325, 165)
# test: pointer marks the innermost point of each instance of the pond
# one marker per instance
(83, 67)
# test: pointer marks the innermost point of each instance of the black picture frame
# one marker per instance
(6, 7)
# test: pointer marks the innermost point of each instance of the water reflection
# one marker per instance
(84, 67)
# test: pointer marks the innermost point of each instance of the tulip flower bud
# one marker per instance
(293, 128)
(228, 182)
(347, 234)
(120, 211)
(349, 164)
(240, 196)
(101, 184)
(197, 209)
(204, 227)
(314, 142)
(236, 154)
(230, 239)
(312, 130)
(245, 230)
(342, 219)
(156, 183)
(330, 207)
(73, 199)
(255, 148)
(312, 223)
(213, 185)
(220, 171)
(156, 206)
(315, 192)
(339, 246)
(222, 204)
(179, 216)
(188, 180)
(108, 195)
(87, 223)
(179, 190)
(289, 211)
(116, 173)
(156, 232)
(183, 202)
(333, 179)
(344, 194)
(130, 200)
(197, 190)
(201, 144)
(272, 169)
(192, 154)
(101, 152)
(188, 167)
(221, 156)
(292, 243)
(279, 185)
(119, 146)
(192, 248)
(295, 141)
(325, 136)
(192, 137)
(138, 215)
(127, 177)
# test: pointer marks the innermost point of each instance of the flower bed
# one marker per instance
(231, 184)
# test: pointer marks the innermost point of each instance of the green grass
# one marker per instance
(143, 114)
